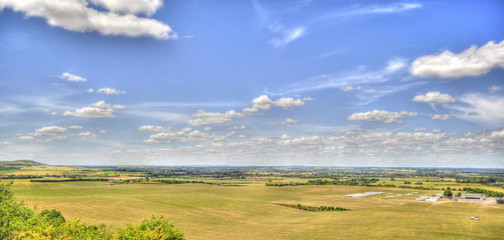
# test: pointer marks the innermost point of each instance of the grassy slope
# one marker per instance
(249, 212)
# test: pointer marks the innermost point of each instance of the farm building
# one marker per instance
(422, 198)
(432, 199)
(366, 194)
(474, 196)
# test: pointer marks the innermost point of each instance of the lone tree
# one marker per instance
(448, 193)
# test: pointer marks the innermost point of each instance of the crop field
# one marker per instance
(254, 212)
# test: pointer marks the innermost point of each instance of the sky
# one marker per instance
(253, 83)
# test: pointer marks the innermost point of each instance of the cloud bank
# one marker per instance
(77, 16)
(473, 61)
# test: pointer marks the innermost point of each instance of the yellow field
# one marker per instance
(252, 211)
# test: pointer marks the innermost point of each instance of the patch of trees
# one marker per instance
(172, 181)
(276, 184)
(17, 221)
(448, 192)
(418, 187)
(321, 208)
(489, 193)
(336, 181)
(24, 176)
(7, 168)
(485, 180)
(382, 185)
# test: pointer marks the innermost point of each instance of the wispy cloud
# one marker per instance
(282, 35)
(327, 54)
(357, 11)
(286, 36)
(358, 76)
(481, 109)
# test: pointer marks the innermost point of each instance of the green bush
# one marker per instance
(153, 228)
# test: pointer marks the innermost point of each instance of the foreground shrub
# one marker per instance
(153, 228)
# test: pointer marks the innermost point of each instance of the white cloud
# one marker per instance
(434, 97)
(85, 134)
(494, 88)
(250, 110)
(481, 108)
(237, 127)
(473, 61)
(50, 131)
(187, 135)
(287, 121)
(75, 15)
(151, 141)
(90, 134)
(75, 127)
(442, 117)
(90, 90)
(148, 7)
(381, 116)
(26, 138)
(110, 91)
(103, 104)
(90, 112)
(70, 77)
(419, 129)
(154, 128)
(264, 102)
(99, 109)
(201, 118)
(287, 103)
(53, 113)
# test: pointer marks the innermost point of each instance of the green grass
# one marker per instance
(253, 212)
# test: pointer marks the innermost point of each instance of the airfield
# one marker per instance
(248, 209)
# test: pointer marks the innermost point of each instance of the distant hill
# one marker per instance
(19, 163)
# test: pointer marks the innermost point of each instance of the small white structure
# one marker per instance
(422, 198)
(432, 199)
(474, 218)
(366, 194)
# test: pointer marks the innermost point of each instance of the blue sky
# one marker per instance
(335, 83)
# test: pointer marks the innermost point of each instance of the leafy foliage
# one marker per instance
(448, 193)
(153, 228)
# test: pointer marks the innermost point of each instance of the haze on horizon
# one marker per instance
(244, 83)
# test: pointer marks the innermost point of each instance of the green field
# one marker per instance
(253, 211)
